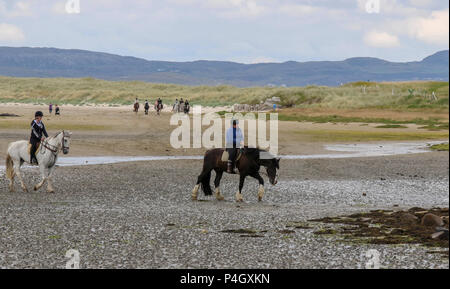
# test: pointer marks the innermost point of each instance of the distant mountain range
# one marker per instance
(52, 62)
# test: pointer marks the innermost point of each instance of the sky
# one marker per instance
(246, 31)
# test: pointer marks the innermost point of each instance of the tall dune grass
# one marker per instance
(396, 95)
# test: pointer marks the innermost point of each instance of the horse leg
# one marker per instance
(239, 197)
(11, 184)
(44, 175)
(261, 186)
(194, 194)
(219, 174)
(11, 181)
(50, 181)
(19, 176)
(203, 179)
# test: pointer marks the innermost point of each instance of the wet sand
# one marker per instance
(117, 131)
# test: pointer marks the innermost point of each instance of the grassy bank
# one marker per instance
(440, 147)
(399, 95)
(365, 136)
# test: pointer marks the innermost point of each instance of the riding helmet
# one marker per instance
(38, 114)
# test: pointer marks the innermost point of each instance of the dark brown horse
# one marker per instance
(248, 165)
(136, 107)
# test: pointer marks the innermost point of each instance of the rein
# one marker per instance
(54, 149)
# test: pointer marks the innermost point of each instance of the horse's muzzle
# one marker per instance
(65, 151)
(274, 181)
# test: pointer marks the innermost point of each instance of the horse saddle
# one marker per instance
(225, 155)
(30, 145)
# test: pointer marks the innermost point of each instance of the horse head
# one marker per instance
(271, 169)
(65, 141)
(271, 164)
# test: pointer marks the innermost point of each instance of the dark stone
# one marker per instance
(431, 220)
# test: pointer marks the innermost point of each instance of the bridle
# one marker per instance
(54, 149)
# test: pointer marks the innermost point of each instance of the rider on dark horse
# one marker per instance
(38, 134)
(234, 140)
(186, 107)
(146, 106)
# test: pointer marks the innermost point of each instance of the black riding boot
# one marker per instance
(33, 160)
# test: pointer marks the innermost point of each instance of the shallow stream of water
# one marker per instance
(336, 151)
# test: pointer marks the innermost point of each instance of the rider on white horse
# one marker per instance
(18, 153)
(38, 134)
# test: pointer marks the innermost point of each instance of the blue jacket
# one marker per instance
(234, 137)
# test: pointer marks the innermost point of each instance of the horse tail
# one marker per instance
(206, 187)
(9, 167)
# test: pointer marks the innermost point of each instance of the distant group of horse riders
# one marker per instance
(181, 106)
(158, 106)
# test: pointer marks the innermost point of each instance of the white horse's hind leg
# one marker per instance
(44, 175)
(11, 184)
(19, 176)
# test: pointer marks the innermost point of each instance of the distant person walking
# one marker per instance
(57, 111)
(50, 108)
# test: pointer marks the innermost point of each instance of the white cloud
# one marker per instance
(59, 8)
(229, 8)
(298, 9)
(10, 33)
(432, 29)
(250, 59)
(20, 8)
(421, 3)
(381, 39)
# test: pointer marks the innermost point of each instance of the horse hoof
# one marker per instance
(36, 188)
(25, 190)
(239, 198)
(260, 193)
(220, 197)
(51, 192)
(194, 194)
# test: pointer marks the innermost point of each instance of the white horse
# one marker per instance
(47, 154)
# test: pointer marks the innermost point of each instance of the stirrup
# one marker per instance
(33, 161)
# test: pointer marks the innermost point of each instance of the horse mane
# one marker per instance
(52, 137)
(253, 152)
